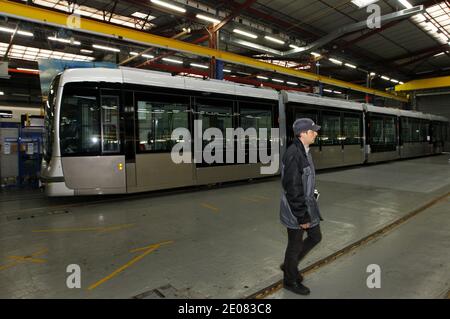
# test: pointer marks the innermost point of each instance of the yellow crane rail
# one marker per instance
(431, 83)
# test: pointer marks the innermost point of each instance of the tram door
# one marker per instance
(92, 156)
(129, 133)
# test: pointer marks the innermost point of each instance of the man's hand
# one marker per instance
(305, 226)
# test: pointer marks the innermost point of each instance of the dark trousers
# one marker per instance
(297, 248)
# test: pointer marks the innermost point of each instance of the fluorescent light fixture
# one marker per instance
(142, 16)
(206, 18)
(172, 60)
(9, 30)
(278, 80)
(86, 51)
(244, 33)
(293, 46)
(393, 80)
(102, 47)
(262, 77)
(315, 54)
(337, 92)
(25, 69)
(291, 83)
(68, 41)
(2, 93)
(335, 61)
(401, 82)
(327, 90)
(148, 56)
(406, 4)
(442, 53)
(363, 3)
(199, 66)
(350, 65)
(372, 74)
(168, 6)
(226, 71)
(385, 78)
(274, 39)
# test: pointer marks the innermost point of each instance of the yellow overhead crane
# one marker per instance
(431, 83)
(64, 20)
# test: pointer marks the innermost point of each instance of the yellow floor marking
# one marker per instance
(99, 229)
(250, 199)
(147, 250)
(9, 265)
(28, 258)
(260, 197)
(22, 259)
(210, 207)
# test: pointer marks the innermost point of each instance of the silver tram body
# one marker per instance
(108, 131)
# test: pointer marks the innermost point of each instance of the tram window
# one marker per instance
(376, 130)
(257, 118)
(215, 114)
(110, 123)
(389, 130)
(80, 122)
(352, 129)
(406, 130)
(424, 129)
(158, 115)
(415, 128)
(330, 133)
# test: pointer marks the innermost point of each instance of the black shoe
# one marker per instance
(297, 288)
(300, 277)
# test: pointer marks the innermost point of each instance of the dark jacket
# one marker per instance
(298, 205)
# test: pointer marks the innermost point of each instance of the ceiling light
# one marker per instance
(363, 3)
(385, 78)
(143, 16)
(9, 30)
(278, 80)
(335, 61)
(327, 90)
(172, 60)
(274, 39)
(2, 93)
(102, 47)
(226, 70)
(350, 65)
(372, 74)
(406, 4)
(168, 6)
(199, 66)
(292, 83)
(86, 51)
(293, 46)
(401, 82)
(206, 18)
(315, 54)
(29, 70)
(247, 34)
(68, 41)
(262, 77)
(148, 56)
(393, 80)
(337, 92)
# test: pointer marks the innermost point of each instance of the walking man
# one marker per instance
(299, 211)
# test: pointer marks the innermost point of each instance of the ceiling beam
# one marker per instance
(103, 29)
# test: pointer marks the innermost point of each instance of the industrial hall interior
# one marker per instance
(254, 150)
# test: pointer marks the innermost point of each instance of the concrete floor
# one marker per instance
(227, 242)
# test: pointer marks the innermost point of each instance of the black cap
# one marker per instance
(303, 125)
